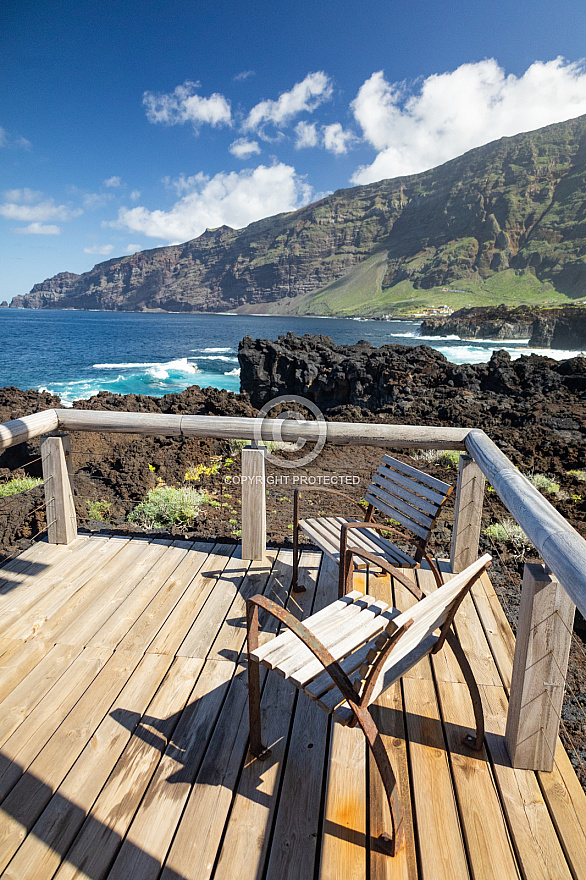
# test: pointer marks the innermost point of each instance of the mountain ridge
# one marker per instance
(506, 220)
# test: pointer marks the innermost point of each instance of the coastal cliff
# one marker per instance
(547, 328)
(510, 210)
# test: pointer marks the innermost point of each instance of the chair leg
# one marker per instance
(390, 843)
(296, 587)
(256, 746)
(470, 741)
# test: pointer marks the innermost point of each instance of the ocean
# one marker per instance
(76, 354)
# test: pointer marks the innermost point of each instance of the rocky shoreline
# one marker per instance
(563, 328)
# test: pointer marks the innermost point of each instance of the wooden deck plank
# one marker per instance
(255, 800)
(106, 825)
(532, 818)
(197, 642)
(46, 575)
(496, 627)
(166, 796)
(532, 831)
(17, 665)
(76, 626)
(151, 832)
(21, 749)
(295, 836)
(344, 849)
(489, 847)
(192, 857)
(23, 571)
(50, 837)
(387, 712)
(164, 634)
(29, 623)
(27, 799)
(439, 835)
(566, 801)
(30, 691)
(140, 598)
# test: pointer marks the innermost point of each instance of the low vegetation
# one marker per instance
(542, 481)
(19, 484)
(507, 531)
(98, 510)
(168, 506)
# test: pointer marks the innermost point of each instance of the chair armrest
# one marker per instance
(305, 635)
(382, 528)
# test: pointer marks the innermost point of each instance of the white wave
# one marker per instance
(433, 338)
(182, 365)
(235, 372)
(218, 357)
(213, 349)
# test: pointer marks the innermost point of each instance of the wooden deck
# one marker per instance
(123, 735)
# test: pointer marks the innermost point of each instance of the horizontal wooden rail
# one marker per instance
(557, 542)
(28, 427)
(288, 430)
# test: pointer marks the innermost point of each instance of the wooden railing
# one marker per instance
(550, 591)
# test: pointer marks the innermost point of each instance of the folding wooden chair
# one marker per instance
(409, 497)
(347, 654)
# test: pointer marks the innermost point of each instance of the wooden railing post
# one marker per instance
(467, 514)
(254, 502)
(546, 617)
(61, 519)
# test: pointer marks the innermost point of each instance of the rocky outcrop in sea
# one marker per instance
(563, 328)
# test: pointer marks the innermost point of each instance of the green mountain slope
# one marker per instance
(503, 223)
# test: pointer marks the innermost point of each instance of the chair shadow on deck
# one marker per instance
(78, 817)
(9, 576)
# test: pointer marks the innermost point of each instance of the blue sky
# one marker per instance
(126, 126)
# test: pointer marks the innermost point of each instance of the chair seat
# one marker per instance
(342, 628)
(326, 531)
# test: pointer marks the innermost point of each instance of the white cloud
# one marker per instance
(113, 181)
(242, 148)
(245, 74)
(101, 249)
(306, 135)
(455, 111)
(96, 200)
(23, 195)
(232, 199)
(8, 140)
(132, 248)
(41, 211)
(305, 96)
(336, 140)
(38, 229)
(135, 195)
(184, 105)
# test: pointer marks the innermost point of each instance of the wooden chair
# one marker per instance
(403, 493)
(347, 654)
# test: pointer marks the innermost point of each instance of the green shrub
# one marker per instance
(98, 510)
(445, 457)
(542, 481)
(19, 484)
(167, 506)
(508, 531)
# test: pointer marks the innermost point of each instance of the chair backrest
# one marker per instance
(407, 495)
(429, 615)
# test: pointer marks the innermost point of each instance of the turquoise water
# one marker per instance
(76, 354)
